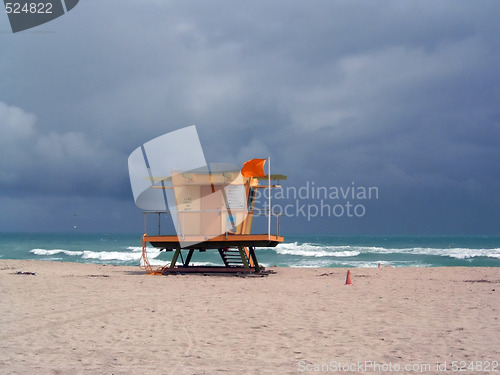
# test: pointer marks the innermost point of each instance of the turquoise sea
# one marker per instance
(297, 251)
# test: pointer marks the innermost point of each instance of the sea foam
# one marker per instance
(317, 250)
(122, 256)
(312, 250)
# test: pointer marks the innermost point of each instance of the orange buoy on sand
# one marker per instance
(348, 280)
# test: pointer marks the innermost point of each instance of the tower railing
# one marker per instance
(181, 217)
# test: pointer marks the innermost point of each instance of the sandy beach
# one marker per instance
(74, 318)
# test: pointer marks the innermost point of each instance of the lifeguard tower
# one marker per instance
(213, 208)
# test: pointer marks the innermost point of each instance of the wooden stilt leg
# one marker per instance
(243, 257)
(188, 258)
(250, 260)
(174, 259)
(254, 258)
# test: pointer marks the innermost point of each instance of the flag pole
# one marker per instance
(269, 192)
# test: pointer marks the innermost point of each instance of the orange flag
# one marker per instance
(254, 168)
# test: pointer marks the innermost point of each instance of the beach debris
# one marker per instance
(481, 281)
(325, 274)
(26, 273)
(348, 280)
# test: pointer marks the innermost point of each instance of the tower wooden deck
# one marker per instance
(237, 252)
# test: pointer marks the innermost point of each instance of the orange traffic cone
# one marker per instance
(348, 280)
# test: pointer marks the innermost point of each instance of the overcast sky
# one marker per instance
(400, 95)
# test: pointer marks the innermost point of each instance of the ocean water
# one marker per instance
(297, 251)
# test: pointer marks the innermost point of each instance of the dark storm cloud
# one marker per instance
(402, 95)
(52, 163)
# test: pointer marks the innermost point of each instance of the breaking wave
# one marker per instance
(319, 251)
(120, 256)
(311, 250)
